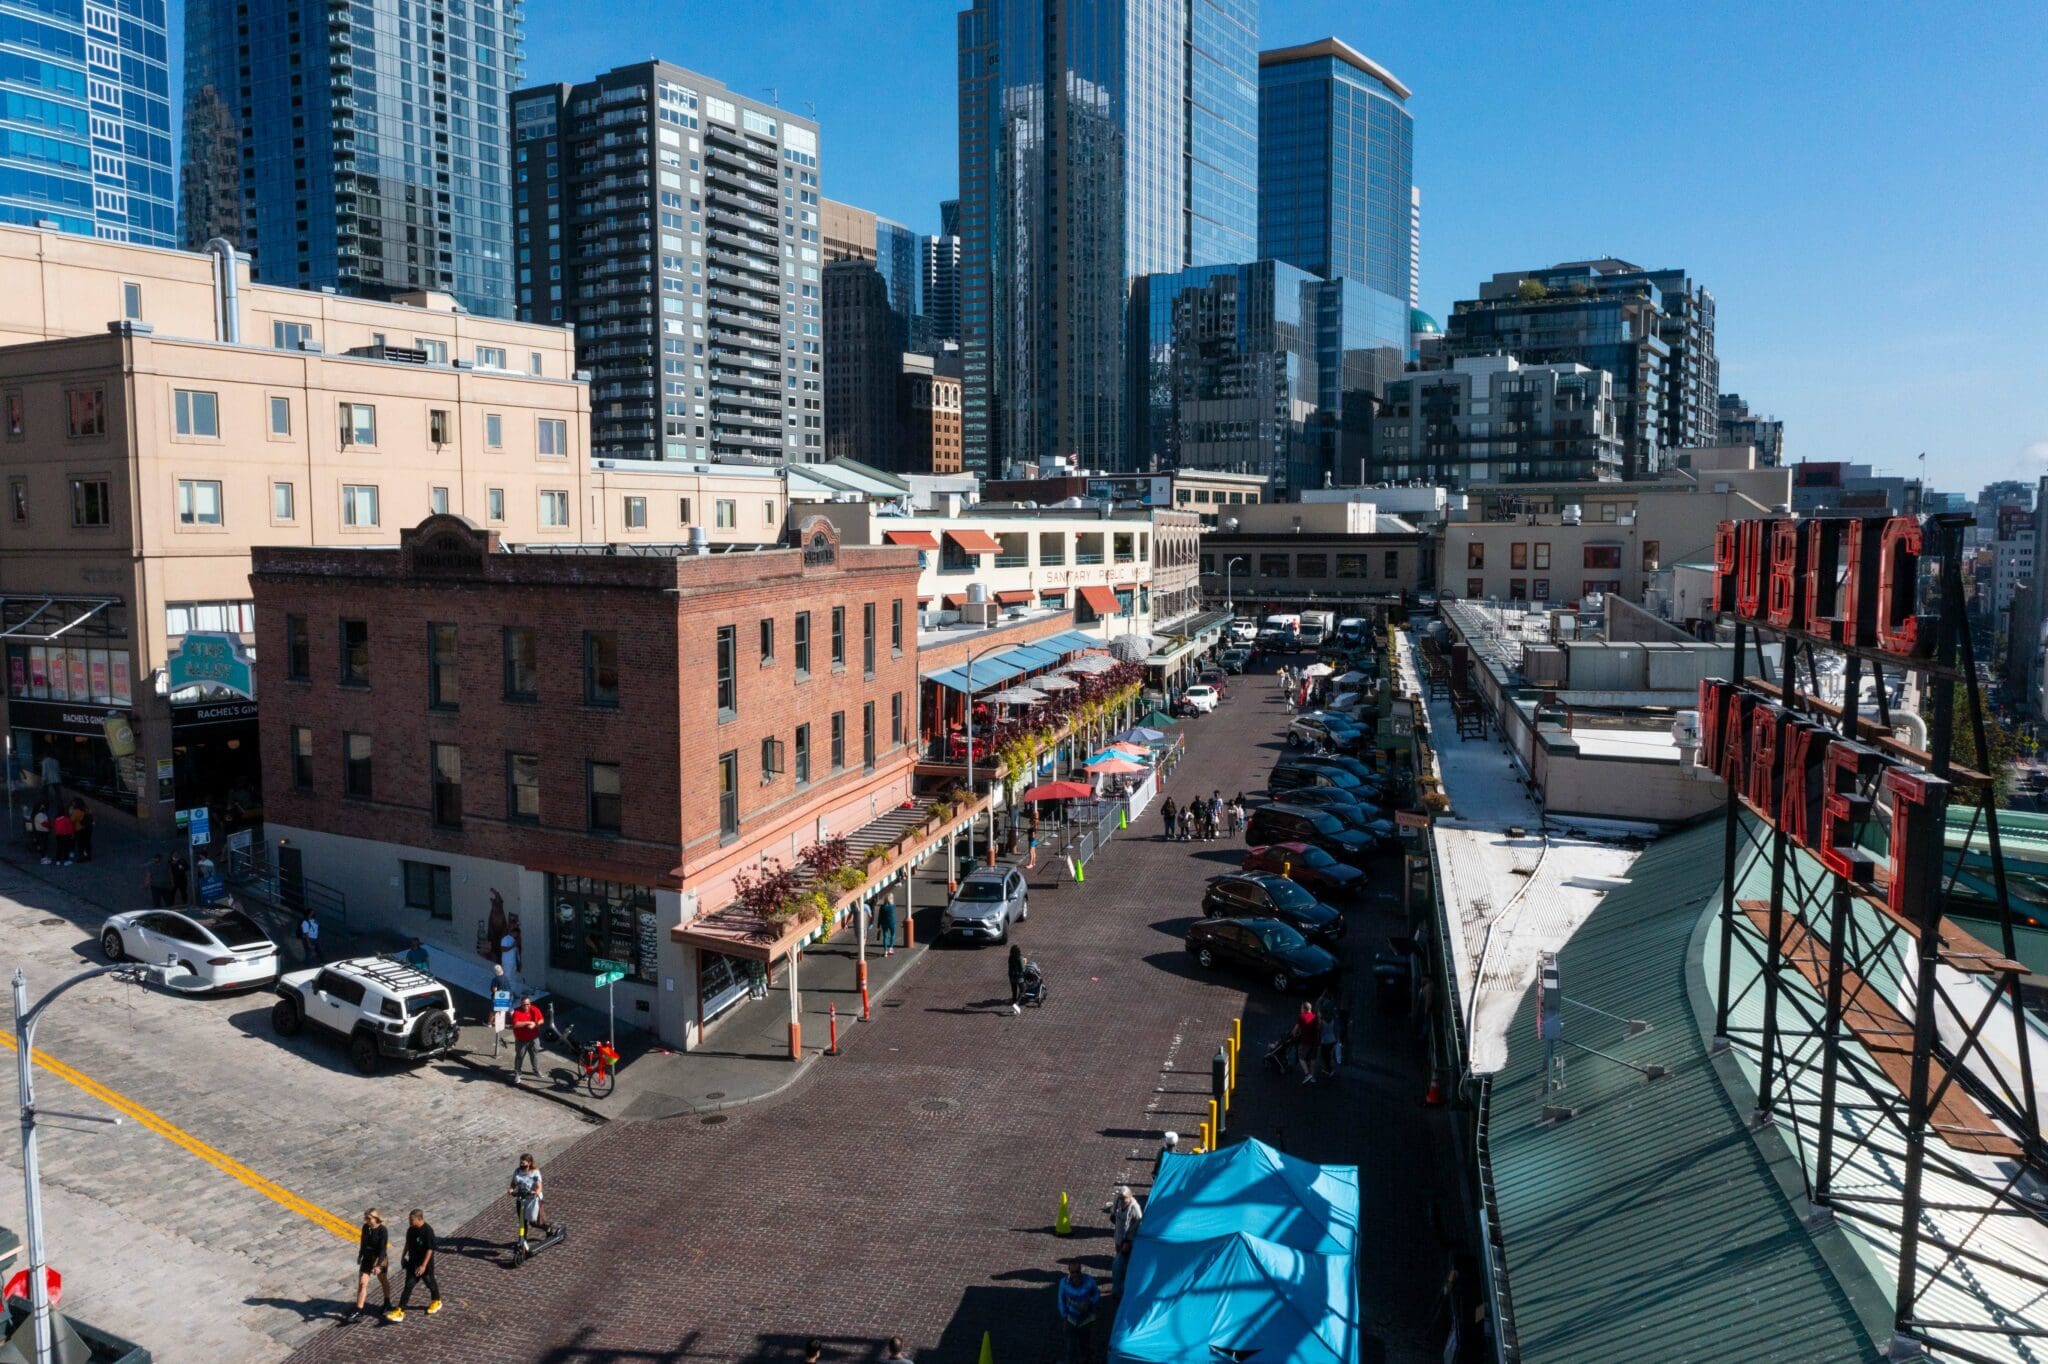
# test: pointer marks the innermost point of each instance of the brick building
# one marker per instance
(590, 740)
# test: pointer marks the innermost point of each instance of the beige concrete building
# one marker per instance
(846, 232)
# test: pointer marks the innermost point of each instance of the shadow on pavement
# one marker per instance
(308, 1309)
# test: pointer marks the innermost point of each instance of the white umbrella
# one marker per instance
(1015, 696)
(1317, 670)
(1090, 663)
(1054, 682)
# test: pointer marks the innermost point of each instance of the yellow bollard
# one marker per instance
(1204, 1146)
(1233, 1065)
(1236, 1032)
(1214, 1125)
(1063, 1224)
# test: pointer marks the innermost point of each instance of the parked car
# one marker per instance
(1355, 808)
(1320, 729)
(1213, 677)
(1266, 948)
(1342, 762)
(989, 901)
(1294, 776)
(1268, 895)
(1202, 698)
(1234, 660)
(386, 1009)
(1244, 631)
(1282, 823)
(224, 948)
(1314, 870)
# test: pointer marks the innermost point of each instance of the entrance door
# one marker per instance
(291, 876)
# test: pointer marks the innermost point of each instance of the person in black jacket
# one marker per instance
(1016, 979)
(418, 1262)
(373, 1258)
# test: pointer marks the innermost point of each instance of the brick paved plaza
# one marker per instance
(909, 1186)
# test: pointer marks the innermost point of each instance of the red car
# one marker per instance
(1213, 677)
(1314, 870)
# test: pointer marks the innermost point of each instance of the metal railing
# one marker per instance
(250, 872)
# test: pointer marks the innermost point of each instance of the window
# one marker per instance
(1542, 589)
(280, 416)
(355, 766)
(553, 437)
(1273, 565)
(446, 762)
(302, 757)
(494, 505)
(896, 628)
(289, 335)
(428, 886)
(444, 668)
(522, 664)
(17, 499)
(728, 672)
(867, 736)
(198, 502)
(728, 515)
(683, 509)
(89, 504)
(771, 759)
(896, 720)
(131, 301)
(522, 788)
(867, 639)
(1475, 588)
(183, 617)
(729, 795)
(283, 502)
(604, 798)
(1518, 556)
(490, 357)
(1393, 563)
(838, 637)
(802, 633)
(554, 507)
(1603, 556)
(1475, 554)
(358, 424)
(533, 362)
(596, 919)
(636, 513)
(1518, 589)
(803, 755)
(768, 513)
(437, 425)
(838, 741)
(358, 504)
(436, 350)
(767, 640)
(86, 411)
(1651, 555)
(13, 416)
(198, 413)
(494, 431)
(600, 668)
(355, 653)
(1542, 554)
(1311, 565)
(437, 501)
(1351, 566)
(298, 649)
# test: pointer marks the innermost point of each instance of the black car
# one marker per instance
(1355, 807)
(1340, 762)
(1265, 947)
(1267, 895)
(1293, 777)
(1317, 828)
(1314, 870)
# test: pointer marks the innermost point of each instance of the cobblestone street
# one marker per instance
(910, 1185)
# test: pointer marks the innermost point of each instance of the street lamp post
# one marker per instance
(25, 1020)
(1229, 601)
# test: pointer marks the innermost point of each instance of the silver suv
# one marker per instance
(987, 903)
(386, 1009)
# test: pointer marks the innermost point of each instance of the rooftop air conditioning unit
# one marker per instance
(1572, 515)
(980, 613)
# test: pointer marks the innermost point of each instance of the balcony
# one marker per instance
(1013, 561)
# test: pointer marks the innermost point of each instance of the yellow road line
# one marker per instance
(220, 1160)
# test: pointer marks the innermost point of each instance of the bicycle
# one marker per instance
(596, 1062)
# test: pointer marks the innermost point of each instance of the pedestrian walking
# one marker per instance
(501, 1006)
(526, 1022)
(60, 834)
(814, 1350)
(1080, 1297)
(416, 956)
(1169, 812)
(1326, 1041)
(81, 831)
(1124, 1215)
(1169, 1145)
(1016, 979)
(896, 1351)
(885, 922)
(41, 826)
(181, 880)
(373, 1260)
(1307, 1042)
(508, 953)
(309, 935)
(156, 879)
(1216, 809)
(417, 1260)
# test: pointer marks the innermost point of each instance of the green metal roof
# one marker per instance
(1648, 1226)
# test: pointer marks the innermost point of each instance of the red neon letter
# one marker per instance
(1782, 603)
(1898, 574)
(1919, 808)
(1724, 566)
(1713, 696)
(1735, 741)
(1805, 749)
(1749, 569)
(1765, 718)
(1818, 574)
(1840, 806)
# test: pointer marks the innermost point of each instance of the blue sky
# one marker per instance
(1863, 187)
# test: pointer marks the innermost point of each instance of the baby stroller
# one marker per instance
(1283, 1056)
(1034, 985)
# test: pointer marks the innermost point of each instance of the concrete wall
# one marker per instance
(1608, 787)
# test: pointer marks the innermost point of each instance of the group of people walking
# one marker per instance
(373, 1261)
(1203, 818)
(60, 833)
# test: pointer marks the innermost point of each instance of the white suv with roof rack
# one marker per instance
(386, 1009)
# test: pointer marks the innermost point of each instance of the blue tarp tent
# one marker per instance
(1243, 1249)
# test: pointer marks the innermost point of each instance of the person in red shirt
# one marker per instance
(1307, 1042)
(61, 827)
(526, 1024)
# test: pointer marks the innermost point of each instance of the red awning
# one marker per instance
(1013, 598)
(921, 539)
(974, 541)
(955, 600)
(1049, 593)
(924, 601)
(1101, 600)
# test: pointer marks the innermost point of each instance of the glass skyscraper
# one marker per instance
(1100, 140)
(85, 118)
(1260, 368)
(1337, 166)
(361, 146)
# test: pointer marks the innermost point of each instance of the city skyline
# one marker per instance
(1902, 148)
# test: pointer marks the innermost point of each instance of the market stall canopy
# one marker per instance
(1058, 790)
(1016, 696)
(1069, 641)
(987, 672)
(1317, 670)
(1115, 765)
(1236, 1297)
(974, 541)
(1351, 678)
(1249, 1186)
(1090, 663)
(1158, 720)
(1135, 750)
(1054, 682)
(918, 539)
(1142, 734)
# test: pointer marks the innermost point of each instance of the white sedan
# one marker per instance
(1202, 698)
(222, 947)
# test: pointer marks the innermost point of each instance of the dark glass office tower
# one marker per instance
(85, 119)
(1337, 166)
(1100, 140)
(365, 140)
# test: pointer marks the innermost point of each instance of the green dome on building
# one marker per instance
(1421, 323)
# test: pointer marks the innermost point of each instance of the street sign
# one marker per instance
(604, 964)
(212, 890)
(199, 824)
(609, 978)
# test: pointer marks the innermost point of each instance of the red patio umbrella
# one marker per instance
(1058, 790)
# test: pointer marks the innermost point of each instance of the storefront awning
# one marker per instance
(1101, 600)
(988, 672)
(953, 601)
(1029, 657)
(49, 617)
(1068, 642)
(1018, 598)
(917, 539)
(974, 541)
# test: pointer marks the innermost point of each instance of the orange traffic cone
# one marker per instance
(1435, 1096)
